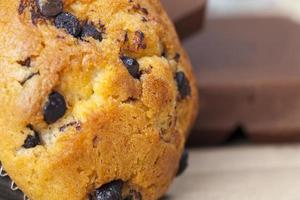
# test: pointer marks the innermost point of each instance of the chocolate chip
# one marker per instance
(134, 195)
(183, 164)
(50, 8)
(177, 57)
(68, 22)
(138, 7)
(32, 140)
(145, 11)
(89, 30)
(54, 108)
(132, 66)
(110, 191)
(25, 63)
(183, 85)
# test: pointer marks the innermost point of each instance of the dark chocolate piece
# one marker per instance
(69, 23)
(55, 108)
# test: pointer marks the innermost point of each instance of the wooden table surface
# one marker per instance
(240, 172)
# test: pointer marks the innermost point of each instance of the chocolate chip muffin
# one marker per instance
(97, 97)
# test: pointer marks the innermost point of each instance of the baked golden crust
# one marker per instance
(116, 127)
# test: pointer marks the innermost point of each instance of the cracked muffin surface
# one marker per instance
(97, 98)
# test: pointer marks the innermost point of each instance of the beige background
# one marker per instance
(241, 173)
